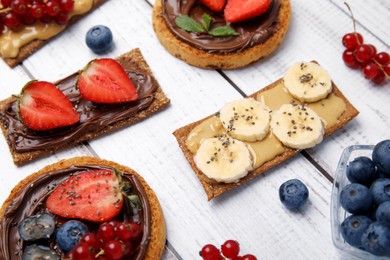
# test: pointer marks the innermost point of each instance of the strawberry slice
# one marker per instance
(215, 5)
(105, 81)
(240, 10)
(93, 195)
(42, 106)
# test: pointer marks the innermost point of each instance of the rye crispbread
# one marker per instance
(207, 60)
(214, 189)
(31, 47)
(158, 228)
(160, 101)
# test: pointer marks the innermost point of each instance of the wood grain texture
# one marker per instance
(252, 213)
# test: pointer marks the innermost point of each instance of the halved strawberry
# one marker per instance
(105, 81)
(215, 5)
(240, 10)
(42, 106)
(93, 195)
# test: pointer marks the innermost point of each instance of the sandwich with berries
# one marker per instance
(221, 34)
(106, 95)
(82, 208)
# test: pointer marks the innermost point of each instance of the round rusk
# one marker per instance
(246, 119)
(297, 126)
(307, 82)
(223, 159)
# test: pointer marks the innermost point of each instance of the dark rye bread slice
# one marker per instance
(157, 240)
(28, 49)
(159, 102)
(214, 189)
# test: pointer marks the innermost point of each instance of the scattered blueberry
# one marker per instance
(356, 198)
(383, 212)
(381, 156)
(376, 238)
(39, 252)
(361, 170)
(380, 190)
(99, 38)
(293, 193)
(69, 234)
(36, 227)
(353, 227)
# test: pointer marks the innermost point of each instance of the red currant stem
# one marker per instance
(101, 252)
(5, 10)
(353, 21)
(381, 68)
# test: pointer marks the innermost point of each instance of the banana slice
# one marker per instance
(223, 159)
(307, 82)
(297, 126)
(246, 119)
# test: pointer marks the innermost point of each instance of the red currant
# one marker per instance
(5, 3)
(373, 50)
(113, 249)
(114, 222)
(81, 252)
(370, 70)
(19, 6)
(66, 5)
(12, 21)
(379, 78)
(92, 240)
(364, 53)
(350, 59)
(210, 252)
(36, 10)
(45, 18)
(382, 58)
(137, 231)
(230, 248)
(106, 232)
(52, 8)
(62, 18)
(124, 231)
(352, 40)
(386, 68)
(248, 257)
(128, 248)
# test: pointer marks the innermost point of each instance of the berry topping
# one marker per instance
(93, 195)
(99, 38)
(36, 227)
(69, 234)
(215, 5)
(106, 232)
(42, 106)
(39, 252)
(81, 252)
(240, 10)
(293, 193)
(105, 81)
(114, 249)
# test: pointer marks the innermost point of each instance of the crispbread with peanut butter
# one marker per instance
(213, 188)
(151, 101)
(31, 47)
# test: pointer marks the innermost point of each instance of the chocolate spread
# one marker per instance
(93, 117)
(251, 32)
(30, 200)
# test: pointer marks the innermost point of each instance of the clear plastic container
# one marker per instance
(338, 214)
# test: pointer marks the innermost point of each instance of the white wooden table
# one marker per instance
(252, 213)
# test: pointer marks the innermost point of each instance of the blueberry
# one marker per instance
(36, 227)
(376, 238)
(293, 193)
(380, 190)
(353, 227)
(383, 212)
(39, 252)
(381, 156)
(99, 38)
(356, 198)
(361, 170)
(69, 234)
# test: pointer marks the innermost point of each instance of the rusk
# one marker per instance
(204, 59)
(214, 189)
(28, 49)
(158, 229)
(160, 101)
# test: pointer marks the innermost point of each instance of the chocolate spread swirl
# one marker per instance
(251, 32)
(31, 200)
(93, 117)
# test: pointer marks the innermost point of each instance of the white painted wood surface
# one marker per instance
(252, 213)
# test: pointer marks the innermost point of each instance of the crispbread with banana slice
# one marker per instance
(34, 45)
(274, 95)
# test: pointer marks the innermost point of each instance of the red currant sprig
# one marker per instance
(229, 250)
(375, 66)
